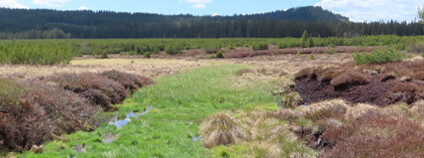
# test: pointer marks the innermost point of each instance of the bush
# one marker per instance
(310, 43)
(305, 37)
(80, 83)
(219, 54)
(299, 53)
(129, 81)
(283, 45)
(172, 49)
(262, 46)
(35, 53)
(380, 136)
(331, 51)
(32, 113)
(378, 56)
(104, 55)
(311, 57)
(147, 55)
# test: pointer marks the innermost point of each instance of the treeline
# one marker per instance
(35, 24)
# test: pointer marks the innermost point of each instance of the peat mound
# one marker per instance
(379, 84)
(39, 110)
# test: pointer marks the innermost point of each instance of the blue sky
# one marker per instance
(356, 10)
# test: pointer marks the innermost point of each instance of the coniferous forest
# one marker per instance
(46, 24)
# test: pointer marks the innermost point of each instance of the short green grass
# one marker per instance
(180, 103)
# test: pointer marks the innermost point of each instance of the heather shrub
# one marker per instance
(406, 92)
(378, 56)
(381, 136)
(32, 113)
(129, 81)
(80, 83)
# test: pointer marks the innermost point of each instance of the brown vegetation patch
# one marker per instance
(375, 135)
(32, 113)
(376, 84)
(242, 52)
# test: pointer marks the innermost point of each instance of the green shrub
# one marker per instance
(146, 55)
(211, 48)
(261, 46)
(422, 54)
(310, 43)
(219, 54)
(299, 53)
(311, 56)
(231, 46)
(282, 45)
(172, 49)
(304, 39)
(331, 51)
(378, 56)
(35, 53)
(104, 55)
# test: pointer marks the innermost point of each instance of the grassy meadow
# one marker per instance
(179, 102)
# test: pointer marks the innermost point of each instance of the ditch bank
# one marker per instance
(378, 84)
(39, 110)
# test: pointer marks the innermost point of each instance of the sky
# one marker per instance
(355, 10)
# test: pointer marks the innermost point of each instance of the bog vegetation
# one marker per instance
(51, 52)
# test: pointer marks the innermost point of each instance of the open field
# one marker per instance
(247, 104)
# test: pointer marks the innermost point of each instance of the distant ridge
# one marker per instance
(309, 13)
(45, 23)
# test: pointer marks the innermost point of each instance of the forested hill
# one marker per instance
(41, 23)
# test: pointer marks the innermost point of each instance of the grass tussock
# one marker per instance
(129, 81)
(220, 129)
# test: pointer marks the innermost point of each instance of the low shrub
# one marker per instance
(378, 56)
(219, 54)
(310, 43)
(261, 46)
(32, 113)
(381, 136)
(146, 55)
(283, 45)
(103, 55)
(299, 53)
(173, 49)
(80, 83)
(331, 51)
(129, 81)
(406, 92)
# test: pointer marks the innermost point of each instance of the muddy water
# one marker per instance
(123, 122)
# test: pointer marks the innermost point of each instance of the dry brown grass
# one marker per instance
(145, 67)
(220, 129)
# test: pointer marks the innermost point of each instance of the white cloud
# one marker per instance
(374, 10)
(195, 1)
(82, 8)
(215, 14)
(11, 4)
(51, 3)
(199, 4)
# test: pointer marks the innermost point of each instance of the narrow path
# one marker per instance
(180, 103)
